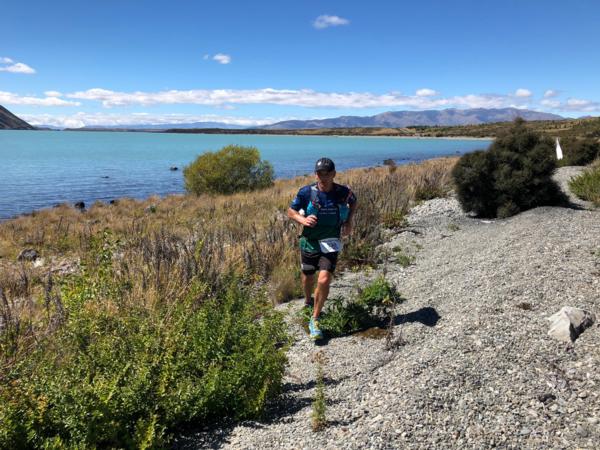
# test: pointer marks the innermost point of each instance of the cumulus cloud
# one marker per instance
(221, 58)
(8, 65)
(577, 104)
(554, 104)
(550, 93)
(82, 119)
(303, 98)
(52, 94)
(426, 92)
(9, 98)
(523, 93)
(326, 21)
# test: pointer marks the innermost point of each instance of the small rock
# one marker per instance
(582, 431)
(28, 254)
(79, 205)
(173, 168)
(546, 397)
(567, 324)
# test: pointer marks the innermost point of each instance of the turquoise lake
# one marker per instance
(43, 168)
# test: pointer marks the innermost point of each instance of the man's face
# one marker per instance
(325, 176)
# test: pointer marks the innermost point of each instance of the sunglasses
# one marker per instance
(323, 173)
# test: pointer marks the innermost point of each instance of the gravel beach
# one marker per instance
(470, 364)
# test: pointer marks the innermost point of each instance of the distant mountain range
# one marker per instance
(391, 119)
(8, 121)
(401, 119)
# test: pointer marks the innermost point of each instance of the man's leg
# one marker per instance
(308, 284)
(322, 291)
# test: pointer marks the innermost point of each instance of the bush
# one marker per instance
(587, 185)
(513, 175)
(371, 307)
(117, 374)
(232, 169)
(579, 152)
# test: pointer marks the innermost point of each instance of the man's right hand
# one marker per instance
(310, 221)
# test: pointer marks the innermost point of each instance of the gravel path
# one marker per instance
(471, 364)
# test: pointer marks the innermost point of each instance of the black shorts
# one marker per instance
(313, 261)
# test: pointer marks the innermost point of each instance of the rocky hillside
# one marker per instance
(470, 363)
(399, 119)
(8, 121)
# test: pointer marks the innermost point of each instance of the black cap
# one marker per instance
(324, 164)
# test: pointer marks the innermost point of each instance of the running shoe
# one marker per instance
(315, 330)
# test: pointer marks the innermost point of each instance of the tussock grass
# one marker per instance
(587, 185)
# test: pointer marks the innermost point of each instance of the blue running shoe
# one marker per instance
(315, 330)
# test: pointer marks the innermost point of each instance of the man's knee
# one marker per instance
(325, 278)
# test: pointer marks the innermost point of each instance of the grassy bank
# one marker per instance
(141, 318)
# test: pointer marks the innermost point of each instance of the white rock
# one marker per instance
(567, 324)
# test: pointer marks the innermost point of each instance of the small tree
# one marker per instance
(232, 169)
(513, 175)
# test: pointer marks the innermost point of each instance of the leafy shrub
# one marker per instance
(371, 307)
(579, 152)
(513, 175)
(587, 185)
(118, 374)
(232, 169)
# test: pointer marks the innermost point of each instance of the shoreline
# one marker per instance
(290, 133)
(71, 203)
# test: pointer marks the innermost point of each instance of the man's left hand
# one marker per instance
(347, 229)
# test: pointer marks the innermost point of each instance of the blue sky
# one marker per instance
(75, 63)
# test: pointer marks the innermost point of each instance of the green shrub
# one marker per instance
(118, 374)
(371, 307)
(513, 175)
(579, 152)
(587, 185)
(232, 169)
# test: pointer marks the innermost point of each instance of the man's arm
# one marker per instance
(309, 221)
(348, 226)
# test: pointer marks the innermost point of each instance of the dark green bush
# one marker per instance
(579, 152)
(513, 175)
(118, 374)
(232, 169)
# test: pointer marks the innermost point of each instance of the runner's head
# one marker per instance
(325, 169)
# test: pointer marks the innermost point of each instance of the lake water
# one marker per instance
(43, 168)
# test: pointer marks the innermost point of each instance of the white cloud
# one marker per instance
(52, 94)
(82, 119)
(523, 93)
(9, 98)
(550, 93)
(326, 21)
(15, 67)
(303, 98)
(426, 92)
(222, 58)
(554, 104)
(4, 60)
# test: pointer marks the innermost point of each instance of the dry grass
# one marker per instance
(163, 244)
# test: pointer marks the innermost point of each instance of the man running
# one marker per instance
(328, 209)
